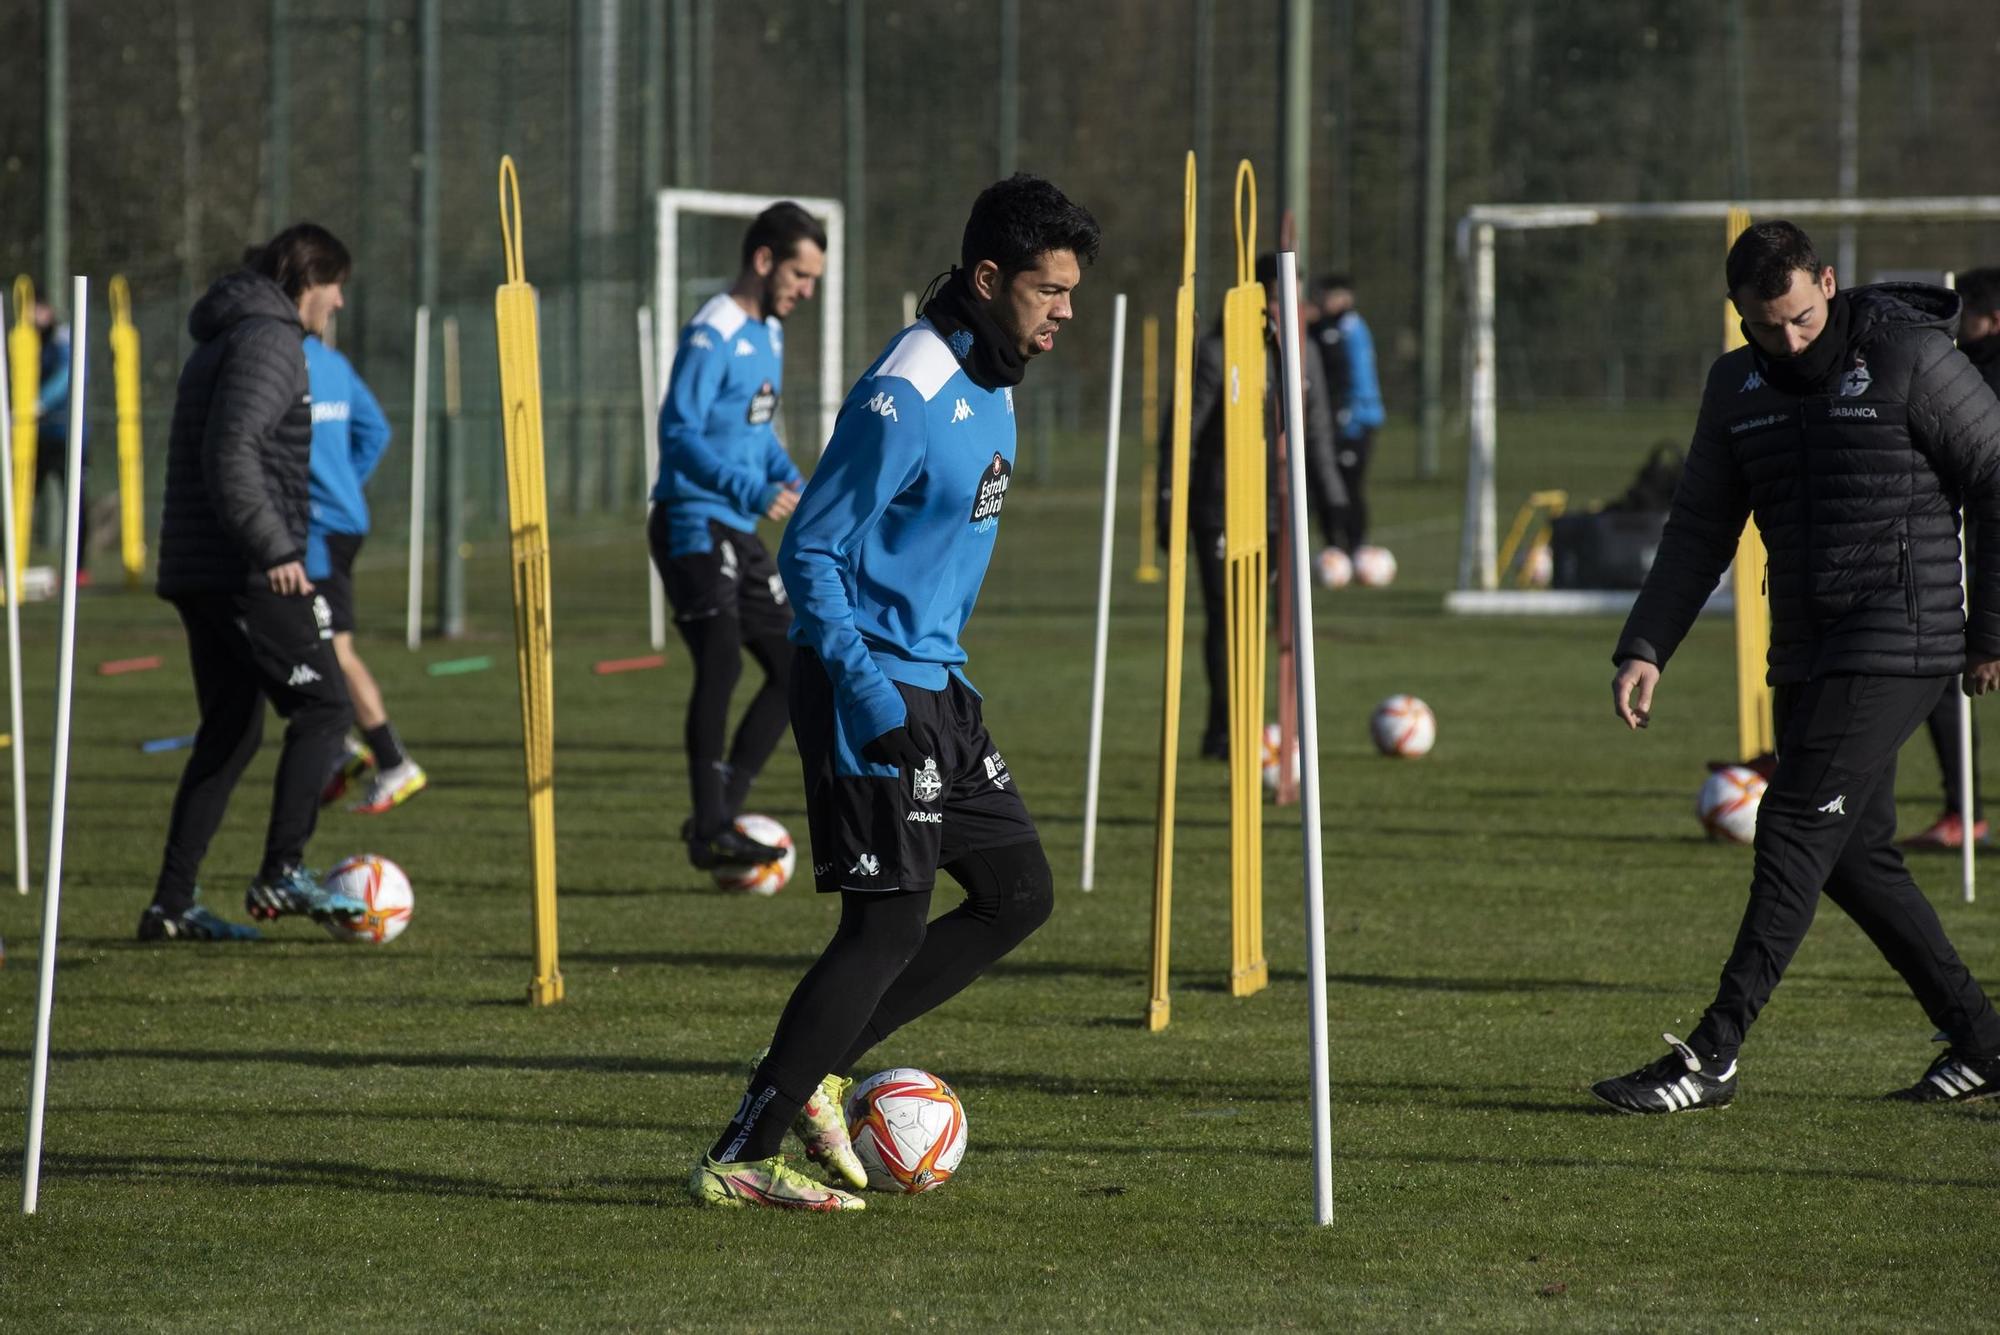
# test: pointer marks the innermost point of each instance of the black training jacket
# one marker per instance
(1856, 491)
(239, 452)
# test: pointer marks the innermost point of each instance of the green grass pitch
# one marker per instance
(301, 1135)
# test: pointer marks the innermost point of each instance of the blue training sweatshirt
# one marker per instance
(720, 457)
(349, 435)
(885, 555)
(1363, 410)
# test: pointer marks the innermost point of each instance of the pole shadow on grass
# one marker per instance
(445, 1061)
(1672, 1169)
(428, 1116)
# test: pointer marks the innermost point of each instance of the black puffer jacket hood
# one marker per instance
(240, 449)
(1856, 490)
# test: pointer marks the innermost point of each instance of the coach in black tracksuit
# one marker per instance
(1852, 428)
(232, 551)
(1208, 472)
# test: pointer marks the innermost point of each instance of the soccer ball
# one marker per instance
(1335, 570)
(382, 886)
(1403, 726)
(1541, 566)
(1728, 804)
(1273, 745)
(1374, 567)
(908, 1130)
(767, 878)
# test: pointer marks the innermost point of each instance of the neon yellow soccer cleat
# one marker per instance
(769, 1183)
(391, 788)
(822, 1126)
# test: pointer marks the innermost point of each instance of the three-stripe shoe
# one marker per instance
(1677, 1082)
(1955, 1078)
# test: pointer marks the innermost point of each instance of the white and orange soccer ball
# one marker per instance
(908, 1130)
(1403, 726)
(1374, 567)
(382, 886)
(766, 878)
(1334, 568)
(1727, 807)
(1273, 745)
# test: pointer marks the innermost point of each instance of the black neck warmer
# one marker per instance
(988, 354)
(1981, 351)
(1815, 370)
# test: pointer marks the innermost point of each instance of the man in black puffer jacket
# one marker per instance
(232, 551)
(1852, 428)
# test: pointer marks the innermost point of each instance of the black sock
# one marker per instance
(758, 1128)
(709, 780)
(386, 745)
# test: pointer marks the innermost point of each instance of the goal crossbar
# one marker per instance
(1477, 564)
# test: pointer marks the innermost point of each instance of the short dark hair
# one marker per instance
(782, 227)
(303, 255)
(1980, 289)
(1017, 220)
(1331, 282)
(1763, 258)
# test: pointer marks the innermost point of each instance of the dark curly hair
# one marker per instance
(1761, 262)
(1021, 218)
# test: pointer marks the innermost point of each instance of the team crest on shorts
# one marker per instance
(925, 784)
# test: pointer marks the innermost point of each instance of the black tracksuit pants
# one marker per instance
(248, 648)
(1828, 822)
(1943, 725)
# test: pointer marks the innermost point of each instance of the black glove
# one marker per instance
(895, 747)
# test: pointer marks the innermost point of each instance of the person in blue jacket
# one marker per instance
(883, 561)
(722, 468)
(349, 434)
(52, 430)
(1347, 350)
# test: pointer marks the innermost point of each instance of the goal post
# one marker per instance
(674, 206)
(1478, 566)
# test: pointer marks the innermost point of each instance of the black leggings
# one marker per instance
(884, 967)
(717, 644)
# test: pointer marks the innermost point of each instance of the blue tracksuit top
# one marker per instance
(885, 555)
(720, 457)
(52, 408)
(349, 435)
(1363, 409)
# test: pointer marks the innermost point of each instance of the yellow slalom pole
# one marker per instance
(528, 521)
(1149, 468)
(131, 439)
(1160, 1009)
(1245, 588)
(1756, 734)
(24, 365)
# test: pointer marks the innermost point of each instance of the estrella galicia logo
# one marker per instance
(961, 344)
(763, 405)
(992, 492)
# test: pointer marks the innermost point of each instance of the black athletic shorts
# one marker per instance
(338, 586)
(735, 577)
(875, 827)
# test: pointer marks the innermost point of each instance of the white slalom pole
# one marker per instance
(1308, 696)
(420, 431)
(1111, 429)
(18, 747)
(649, 395)
(59, 783)
(1965, 775)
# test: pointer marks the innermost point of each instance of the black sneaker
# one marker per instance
(731, 848)
(1954, 1078)
(193, 923)
(1674, 1083)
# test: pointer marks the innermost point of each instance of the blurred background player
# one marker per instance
(1347, 355)
(1979, 340)
(885, 559)
(1207, 474)
(348, 437)
(722, 467)
(232, 561)
(52, 431)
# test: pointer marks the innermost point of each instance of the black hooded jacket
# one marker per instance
(240, 448)
(1855, 488)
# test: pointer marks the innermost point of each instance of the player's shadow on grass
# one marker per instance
(1679, 1168)
(429, 1116)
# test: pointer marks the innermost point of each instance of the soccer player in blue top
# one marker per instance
(722, 467)
(883, 561)
(349, 434)
(1347, 350)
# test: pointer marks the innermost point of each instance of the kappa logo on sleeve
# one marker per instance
(700, 340)
(884, 405)
(992, 492)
